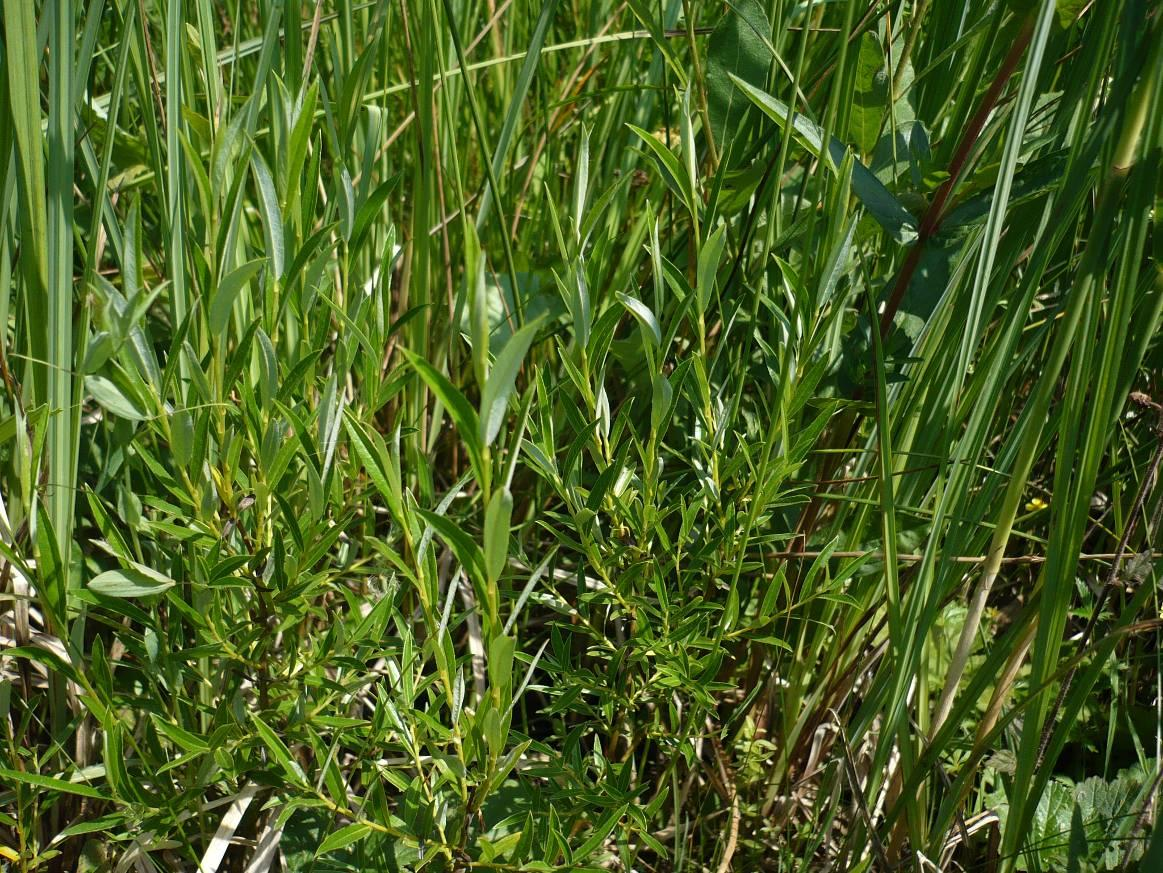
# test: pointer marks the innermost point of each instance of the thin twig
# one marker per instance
(733, 793)
(313, 39)
(154, 78)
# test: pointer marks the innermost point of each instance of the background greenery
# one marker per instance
(643, 435)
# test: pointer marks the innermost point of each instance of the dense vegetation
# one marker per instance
(648, 436)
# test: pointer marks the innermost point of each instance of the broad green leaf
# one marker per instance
(182, 436)
(490, 722)
(501, 650)
(738, 46)
(129, 582)
(871, 98)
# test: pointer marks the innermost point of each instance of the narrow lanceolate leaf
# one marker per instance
(23, 78)
(709, 257)
(272, 216)
(373, 454)
(650, 329)
(279, 751)
(184, 739)
(498, 516)
(516, 103)
(228, 290)
(603, 830)
(465, 417)
(50, 783)
(500, 381)
(346, 836)
(892, 215)
(60, 199)
(467, 552)
(676, 178)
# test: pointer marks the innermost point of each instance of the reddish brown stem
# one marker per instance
(935, 214)
(930, 224)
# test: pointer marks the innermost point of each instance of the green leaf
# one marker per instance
(661, 396)
(50, 783)
(498, 515)
(872, 95)
(268, 368)
(501, 650)
(112, 399)
(878, 200)
(738, 46)
(500, 381)
(272, 216)
(650, 329)
(673, 174)
(462, 545)
(181, 737)
(1068, 11)
(228, 290)
(598, 837)
(182, 436)
(130, 583)
(373, 454)
(343, 838)
(709, 258)
(517, 100)
(465, 417)
(279, 751)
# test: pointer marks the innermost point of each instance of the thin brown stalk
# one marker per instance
(313, 39)
(153, 74)
(935, 214)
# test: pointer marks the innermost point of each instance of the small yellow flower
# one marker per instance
(1036, 504)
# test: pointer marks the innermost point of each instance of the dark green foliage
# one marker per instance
(554, 436)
